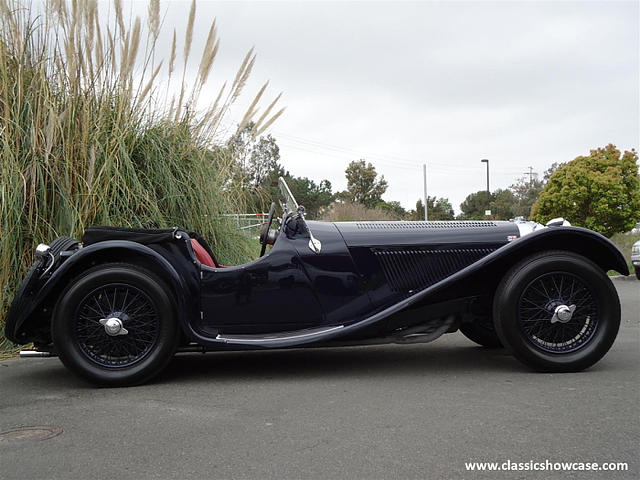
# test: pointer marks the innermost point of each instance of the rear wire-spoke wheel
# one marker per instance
(557, 312)
(115, 325)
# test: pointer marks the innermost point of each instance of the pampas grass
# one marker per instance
(351, 212)
(88, 135)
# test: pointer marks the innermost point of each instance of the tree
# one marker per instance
(600, 191)
(503, 204)
(526, 193)
(474, 206)
(256, 160)
(438, 209)
(393, 207)
(314, 197)
(418, 213)
(363, 186)
(549, 171)
(256, 169)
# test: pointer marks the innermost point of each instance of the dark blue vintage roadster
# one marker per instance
(116, 307)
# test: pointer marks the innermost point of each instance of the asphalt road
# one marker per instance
(416, 411)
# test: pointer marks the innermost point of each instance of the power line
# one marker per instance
(345, 153)
(451, 169)
(342, 156)
(392, 159)
(314, 146)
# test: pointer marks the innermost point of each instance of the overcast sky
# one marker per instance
(446, 83)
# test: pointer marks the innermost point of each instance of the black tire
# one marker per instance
(637, 272)
(532, 291)
(482, 332)
(145, 311)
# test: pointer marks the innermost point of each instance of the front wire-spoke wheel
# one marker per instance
(557, 311)
(115, 325)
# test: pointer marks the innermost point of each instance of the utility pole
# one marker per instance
(424, 176)
(488, 211)
(530, 173)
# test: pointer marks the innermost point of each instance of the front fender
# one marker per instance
(487, 272)
(484, 275)
(107, 251)
(582, 241)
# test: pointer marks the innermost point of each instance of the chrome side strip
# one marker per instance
(271, 339)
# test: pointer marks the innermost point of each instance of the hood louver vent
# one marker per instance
(422, 225)
(412, 269)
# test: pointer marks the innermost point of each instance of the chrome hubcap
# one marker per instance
(563, 313)
(113, 326)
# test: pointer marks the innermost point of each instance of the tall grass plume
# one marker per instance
(88, 134)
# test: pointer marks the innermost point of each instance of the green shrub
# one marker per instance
(624, 241)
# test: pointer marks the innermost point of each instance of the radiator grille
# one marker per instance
(411, 269)
(422, 225)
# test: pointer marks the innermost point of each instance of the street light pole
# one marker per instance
(484, 160)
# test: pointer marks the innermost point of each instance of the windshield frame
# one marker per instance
(290, 204)
(290, 208)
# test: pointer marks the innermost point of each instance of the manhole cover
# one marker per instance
(27, 434)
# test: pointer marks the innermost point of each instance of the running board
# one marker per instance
(278, 339)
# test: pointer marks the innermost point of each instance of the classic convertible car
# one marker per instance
(116, 307)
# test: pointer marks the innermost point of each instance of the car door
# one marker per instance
(271, 294)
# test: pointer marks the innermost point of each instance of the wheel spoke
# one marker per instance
(137, 313)
(545, 294)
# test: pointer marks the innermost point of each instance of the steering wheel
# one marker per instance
(264, 234)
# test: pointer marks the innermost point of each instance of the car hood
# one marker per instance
(357, 234)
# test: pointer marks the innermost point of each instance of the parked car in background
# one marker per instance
(636, 229)
(635, 258)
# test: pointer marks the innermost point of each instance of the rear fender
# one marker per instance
(183, 280)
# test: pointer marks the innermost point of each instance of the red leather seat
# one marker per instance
(202, 255)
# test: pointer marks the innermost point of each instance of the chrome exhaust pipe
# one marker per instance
(34, 354)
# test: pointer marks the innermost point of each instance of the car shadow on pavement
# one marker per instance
(342, 362)
(451, 357)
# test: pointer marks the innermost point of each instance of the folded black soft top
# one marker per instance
(146, 236)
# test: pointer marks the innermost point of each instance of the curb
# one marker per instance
(624, 278)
